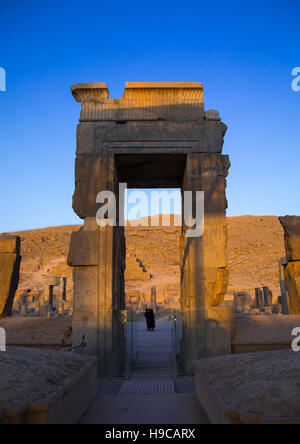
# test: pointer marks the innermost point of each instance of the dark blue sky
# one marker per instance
(243, 53)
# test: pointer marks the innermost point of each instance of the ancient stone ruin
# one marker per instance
(158, 135)
(53, 299)
(291, 226)
(10, 260)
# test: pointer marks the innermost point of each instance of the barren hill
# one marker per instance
(255, 245)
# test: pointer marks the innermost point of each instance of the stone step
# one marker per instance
(164, 386)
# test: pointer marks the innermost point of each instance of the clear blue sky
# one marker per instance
(243, 53)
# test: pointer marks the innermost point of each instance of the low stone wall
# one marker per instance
(66, 406)
(240, 389)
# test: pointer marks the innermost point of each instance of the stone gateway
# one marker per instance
(158, 135)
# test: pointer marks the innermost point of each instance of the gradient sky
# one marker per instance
(243, 53)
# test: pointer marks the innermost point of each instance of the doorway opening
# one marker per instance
(152, 277)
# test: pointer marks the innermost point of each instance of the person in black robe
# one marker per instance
(152, 320)
(147, 316)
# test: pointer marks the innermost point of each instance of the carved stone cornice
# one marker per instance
(83, 92)
(141, 101)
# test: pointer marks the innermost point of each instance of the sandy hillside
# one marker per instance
(255, 245)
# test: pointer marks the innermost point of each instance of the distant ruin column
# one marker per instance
(153, 297)
(10, 261)
(259, 301)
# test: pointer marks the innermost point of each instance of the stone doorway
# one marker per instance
(156, 135)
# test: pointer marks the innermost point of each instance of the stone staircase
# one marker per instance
(156, 386)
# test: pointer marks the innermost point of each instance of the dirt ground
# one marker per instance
(263, 329)
(37, 331)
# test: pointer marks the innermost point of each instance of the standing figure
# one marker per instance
(152, 320)
(148, 320)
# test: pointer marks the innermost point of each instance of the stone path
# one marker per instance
(146, 409)
(149, 396)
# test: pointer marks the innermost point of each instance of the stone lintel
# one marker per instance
(201, 136)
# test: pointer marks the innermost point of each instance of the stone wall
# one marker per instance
(10, 260)
(291, 226)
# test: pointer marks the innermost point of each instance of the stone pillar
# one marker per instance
(259, 301)
(10, 260)
(268, 297)
(98, 257)
(204, 276)
(153, 297)
(291, 226)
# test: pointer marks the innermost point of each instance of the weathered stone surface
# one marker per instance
(84, 245)
(203, 136)
(220, 288)
(219, 326)
(212, 114)
(292, 279)
(291, 226)
(9, 273)
(87, 176)
(84, 249)
(10, 244)
(141, 101)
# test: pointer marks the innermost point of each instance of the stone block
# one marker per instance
(87, 176)
(212, 114)
(10, 244)
(291, 226)
(86, 299)
(207, 135)
(84, 248)
(85, 138)
(9, 280)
